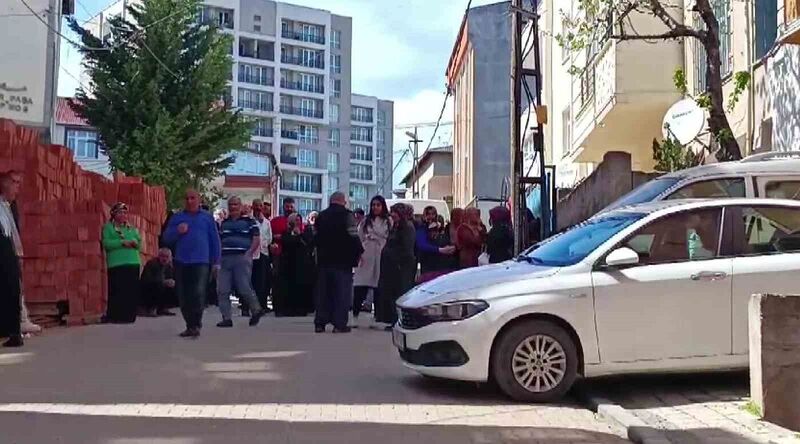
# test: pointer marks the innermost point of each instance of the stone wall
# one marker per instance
(611, 180)
(775, 358)
(62, 210)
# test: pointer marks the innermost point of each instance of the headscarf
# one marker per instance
(118, 208)
(456, 217)
(499, 215)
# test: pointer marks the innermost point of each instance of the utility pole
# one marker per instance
(415, 168)
(517, 188)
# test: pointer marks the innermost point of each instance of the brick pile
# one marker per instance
(62, 211)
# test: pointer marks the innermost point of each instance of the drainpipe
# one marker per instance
(751, 92)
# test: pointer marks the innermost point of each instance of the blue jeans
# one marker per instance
(334, 297)
(191, 283)
(236, 273)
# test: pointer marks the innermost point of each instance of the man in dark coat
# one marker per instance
(10, 256)
(158, 285)
(338, 251)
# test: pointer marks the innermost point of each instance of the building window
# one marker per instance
(337, 88)
(361, 114)
(260, 147)
(257, 75)
(381, 118)
(333, 162)
(307, 158)
(358, 191)
(305, 206)
(335, 137)
(380, 154)
(766, 26)
(566, 132)
(336, 39)
(334, 112)
(336, 64)
(307, 134)
(360, 172)
(361, 134)
(82, 143)
(722, 10)
(255, 100)
(362, 153)
(333, 184)
(380, 174)
(256, 28)
(381, 136)
(700, 61)
(256, 18)
(248, 164)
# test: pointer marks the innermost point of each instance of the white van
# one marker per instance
(770, 175)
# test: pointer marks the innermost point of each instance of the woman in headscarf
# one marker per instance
(294, 297)
(310, 266)
(471, 237)
(122, 243)
(373, 232)
(500, 242)
(398, 264)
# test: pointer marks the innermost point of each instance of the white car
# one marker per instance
(656, 287)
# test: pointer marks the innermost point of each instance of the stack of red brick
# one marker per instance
(62, 212)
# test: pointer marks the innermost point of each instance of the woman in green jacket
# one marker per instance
(121, 243)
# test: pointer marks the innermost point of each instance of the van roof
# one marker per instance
(773, 162)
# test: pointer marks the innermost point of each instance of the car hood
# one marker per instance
(466, 284)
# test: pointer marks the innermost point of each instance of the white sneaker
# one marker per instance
(29, 327)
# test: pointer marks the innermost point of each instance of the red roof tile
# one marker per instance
(66, 116)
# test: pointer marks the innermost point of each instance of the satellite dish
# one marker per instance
(684, 121)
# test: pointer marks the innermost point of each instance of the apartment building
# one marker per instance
(762, 38)
(292, 76)
(476, 75)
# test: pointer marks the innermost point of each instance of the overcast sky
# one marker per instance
(400, 53)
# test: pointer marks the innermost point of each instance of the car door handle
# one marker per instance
(709, 276)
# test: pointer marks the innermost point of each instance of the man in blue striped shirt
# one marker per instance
(241, 238)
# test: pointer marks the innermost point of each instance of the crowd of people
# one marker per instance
(336, 264)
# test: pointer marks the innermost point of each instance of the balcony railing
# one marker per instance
(260, 131)
(256, 80)
(300, 86)
(318, 64)
(355, 137)
(255, 105)
(302, 188)
(289, 160)
(361, 157)
(360, 118)
(303, 36)
(299, 111)
(287, 134)
(364, 177)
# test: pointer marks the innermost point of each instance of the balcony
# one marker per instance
(361, 118)
(288, 134)
(256, 49)
(255, 105)
(356, 137)
(301, 86)
(300, 61)
(362, 157)
(299, 111)
(261, 131)
(213, 16)
(366, 177)
(301, 184)
(789, 33)
(620, 99)
(289, 160)
(254, 79)
(303, 36)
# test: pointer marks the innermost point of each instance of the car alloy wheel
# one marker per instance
(539, 363)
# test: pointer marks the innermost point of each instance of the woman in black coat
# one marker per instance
(398, 264)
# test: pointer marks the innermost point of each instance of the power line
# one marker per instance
(57, 32)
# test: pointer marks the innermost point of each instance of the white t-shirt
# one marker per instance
(265, 229)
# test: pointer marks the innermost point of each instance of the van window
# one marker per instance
(784, 189)
(731, 187)
(766, 230)
(644, 193)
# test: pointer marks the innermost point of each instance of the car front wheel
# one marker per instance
(535, 361)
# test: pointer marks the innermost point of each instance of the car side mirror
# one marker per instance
(622, 256)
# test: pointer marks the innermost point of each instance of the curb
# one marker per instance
(636, 429)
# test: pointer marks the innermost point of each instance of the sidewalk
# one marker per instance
(684, 409)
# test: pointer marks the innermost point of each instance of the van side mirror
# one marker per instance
(622, 256)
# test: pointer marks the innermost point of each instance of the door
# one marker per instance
(676, 302)
(766, 246)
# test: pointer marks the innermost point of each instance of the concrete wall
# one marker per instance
(612, 178)
(266, 10)
(490, 36)
(775, 358)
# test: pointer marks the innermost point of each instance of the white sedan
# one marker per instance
(656, 287)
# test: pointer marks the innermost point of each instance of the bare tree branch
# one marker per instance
(676, 33)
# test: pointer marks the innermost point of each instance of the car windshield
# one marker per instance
(644, 193)
(574, 245)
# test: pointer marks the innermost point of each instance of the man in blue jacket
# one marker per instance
(195, 239)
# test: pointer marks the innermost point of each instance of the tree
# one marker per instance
(613, 18)
(671, 156)
(155, 97)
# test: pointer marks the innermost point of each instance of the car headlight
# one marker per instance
(452, 311)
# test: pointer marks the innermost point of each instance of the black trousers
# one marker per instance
(334, 297)
(360, 295)
(123, 294)
(157, 297)
(191, 283)
(10, 289)
(261, 280)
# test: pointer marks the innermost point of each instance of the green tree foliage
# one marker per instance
(156, 95)
(671, 156)
(596, 20)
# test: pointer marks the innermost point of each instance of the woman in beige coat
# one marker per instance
(373, 232)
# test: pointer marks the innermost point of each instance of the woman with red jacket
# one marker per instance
(471, 238)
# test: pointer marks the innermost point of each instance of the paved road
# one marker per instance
(278, 382)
